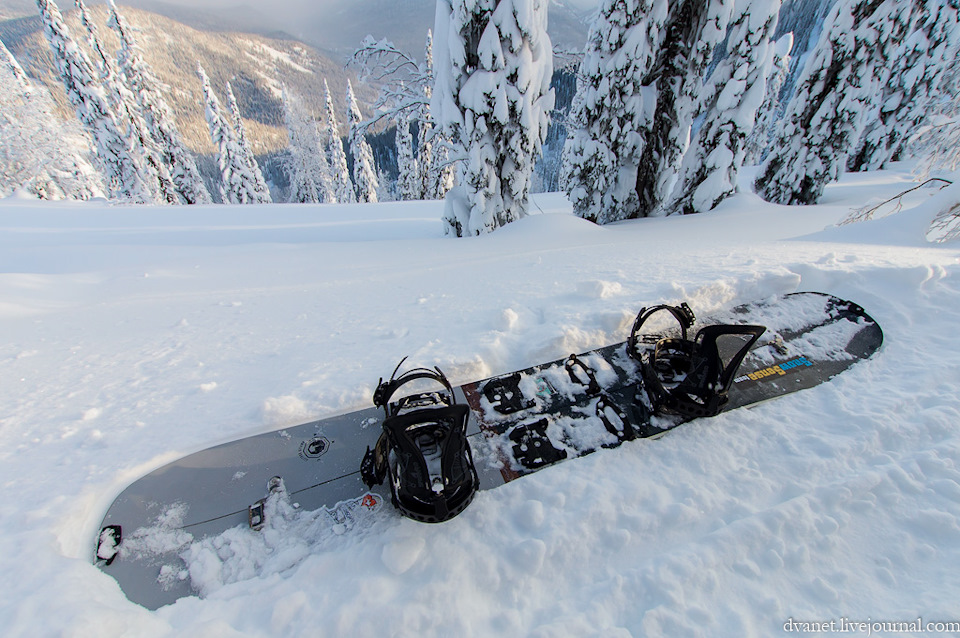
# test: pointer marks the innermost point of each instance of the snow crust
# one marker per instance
(135, 335)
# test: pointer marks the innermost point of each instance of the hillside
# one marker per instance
(256, 65)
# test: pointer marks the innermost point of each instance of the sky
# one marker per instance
(335, 26)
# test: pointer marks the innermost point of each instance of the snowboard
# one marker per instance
(519, 423)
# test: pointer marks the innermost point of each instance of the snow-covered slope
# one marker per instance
(132, 336)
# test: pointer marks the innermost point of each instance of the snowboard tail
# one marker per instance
(438, 448)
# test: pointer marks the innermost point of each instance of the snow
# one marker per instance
(135, 335)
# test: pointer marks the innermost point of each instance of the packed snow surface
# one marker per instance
(132, 336)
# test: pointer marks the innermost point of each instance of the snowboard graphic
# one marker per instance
(518, 423)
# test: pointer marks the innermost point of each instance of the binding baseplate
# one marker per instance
(423, 448)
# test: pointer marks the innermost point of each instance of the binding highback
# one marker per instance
(690, 377)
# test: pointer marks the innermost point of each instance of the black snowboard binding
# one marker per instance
(687, 377)
(424, 449)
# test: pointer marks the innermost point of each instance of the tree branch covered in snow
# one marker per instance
(405, 83)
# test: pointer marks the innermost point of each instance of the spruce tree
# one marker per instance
(691, 31)
(237, 182)
(925, 43)
(122, 170)
(128, 114)
(937, 140)
(364, 166)
(730, 101)
(307, 164)
(260, 193)
(834, 98)
(425, 162)
(610, 109)
(408, 182)
(493, 65)
(336, 157)
(157, 115)
(639, 85)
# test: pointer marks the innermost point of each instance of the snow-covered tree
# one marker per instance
(408, 178)
(307, 164)
(157, 115)
(39, 152)
(237, 182)
(834, 97)
(691, 32)
(364, 167)
(260, 193)
(611, 108)
(336, 157)
(116, 158)
(912, 80)
(493, 64)
(770, 110)
(129, 116)
(730, 100)
(640, 80)
(425, 130)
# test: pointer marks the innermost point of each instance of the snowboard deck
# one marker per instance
(520, 422)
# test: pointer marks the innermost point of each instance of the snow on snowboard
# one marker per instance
(427, 447)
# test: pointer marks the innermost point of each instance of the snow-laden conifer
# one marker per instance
(408, 176)
(237, 182)
(493, 64)
(127, 111)
(611, 108)
(364, 167)
(640, 79)
(926, 41)
(162, 126)
(730, 101)
(336, 157)
(425, 129)
(307, 162)
(38, 152)
(770, 110)
(120, 164)
(260, 193)
(833, 100)
(691, 32)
